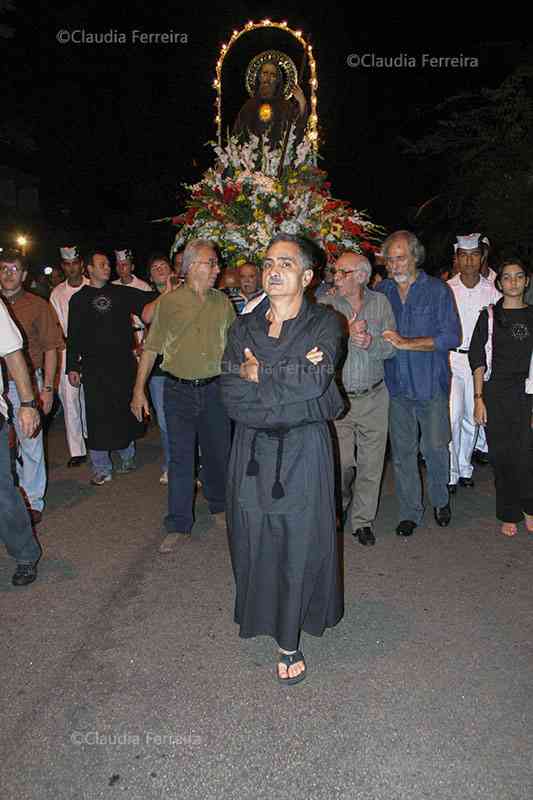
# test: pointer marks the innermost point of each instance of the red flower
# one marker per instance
(370, 248)
(352, 228)
(230, 193)
(190, 215)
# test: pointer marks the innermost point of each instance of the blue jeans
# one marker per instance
(32, 473)
(157, 384)
(195, 413)
(15, 525)
(101, 459)
(433, 417)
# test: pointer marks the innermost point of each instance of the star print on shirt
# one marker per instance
(520, 331)
(102, 304)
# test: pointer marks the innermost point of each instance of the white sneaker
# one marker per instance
(100, 479)
(164, 478)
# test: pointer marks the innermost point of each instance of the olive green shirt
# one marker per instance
(191, 335)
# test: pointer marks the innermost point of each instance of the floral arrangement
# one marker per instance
(244, 200)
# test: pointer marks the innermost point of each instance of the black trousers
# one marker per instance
(510, 441)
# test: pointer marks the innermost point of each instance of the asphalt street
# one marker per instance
(122, 673)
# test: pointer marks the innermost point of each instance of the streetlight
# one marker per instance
(22, 242)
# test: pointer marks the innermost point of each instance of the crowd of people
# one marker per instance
(267, 388)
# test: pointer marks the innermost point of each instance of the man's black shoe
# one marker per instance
(76, 461)
(468, 482)
(406, 527)
(25, 573)
(452, 488)
(365, 535)
(443, 515)
(480, 457)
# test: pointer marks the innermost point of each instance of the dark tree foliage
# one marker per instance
(483, 145)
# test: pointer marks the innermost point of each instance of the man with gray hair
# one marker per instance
(189, 330)
(418, 378)
(363, 428)
(278, 383)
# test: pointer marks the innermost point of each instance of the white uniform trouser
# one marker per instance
(74, 411)
(464, 429)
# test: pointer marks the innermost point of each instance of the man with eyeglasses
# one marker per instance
(362, 431)
(189, 329)
(418, 378)
(40, 327)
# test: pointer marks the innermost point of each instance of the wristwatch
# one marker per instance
(48, 388)
(28, 404)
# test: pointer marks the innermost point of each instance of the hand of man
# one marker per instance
(29, 421)
(47, 400)
(362, 340)
(395, 339)
(74, 379)
(358, 326)
(480, 411)
(250, 367)
(315, 356)
(139, 405)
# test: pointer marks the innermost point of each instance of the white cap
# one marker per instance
(471, 242)
(123, 255)
(69, 253)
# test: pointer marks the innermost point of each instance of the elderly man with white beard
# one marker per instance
(418, 378)
(362, 431)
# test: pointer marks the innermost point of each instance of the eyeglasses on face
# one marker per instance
(12, 268)
(344, 272)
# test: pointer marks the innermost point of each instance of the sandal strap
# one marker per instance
(291, 658)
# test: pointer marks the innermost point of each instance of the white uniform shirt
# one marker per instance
(136, 283)
(60, 299)
(491, 276)
(470, 302)
(10, 340)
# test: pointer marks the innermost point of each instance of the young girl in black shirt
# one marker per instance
(501, 365)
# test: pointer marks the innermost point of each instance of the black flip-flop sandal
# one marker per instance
(288, 659)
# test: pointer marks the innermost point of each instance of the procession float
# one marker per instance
(265, 177)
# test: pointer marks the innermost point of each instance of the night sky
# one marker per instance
(119, 127)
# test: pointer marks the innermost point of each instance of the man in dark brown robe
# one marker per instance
(278, 385)
(268, 113)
